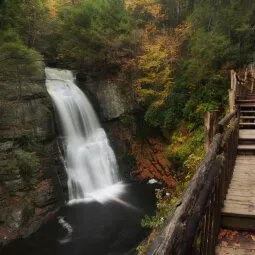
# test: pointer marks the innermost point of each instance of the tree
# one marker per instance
(18, 63)
(28, 17)
(95, 31)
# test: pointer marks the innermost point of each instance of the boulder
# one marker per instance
(19, 214)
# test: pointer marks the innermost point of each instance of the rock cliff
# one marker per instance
(29, 162)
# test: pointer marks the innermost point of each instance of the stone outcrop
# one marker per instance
(29, 161)
(114, 96)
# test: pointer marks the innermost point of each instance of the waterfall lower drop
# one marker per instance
(89, 160)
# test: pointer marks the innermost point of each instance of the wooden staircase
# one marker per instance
(238, 212)
(247, 112)
(239, 206)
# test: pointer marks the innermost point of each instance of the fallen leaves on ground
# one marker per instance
(236, 239)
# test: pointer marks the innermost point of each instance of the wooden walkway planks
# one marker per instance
(234, 251)
(248, 134)
(238, 211)
(240, 199)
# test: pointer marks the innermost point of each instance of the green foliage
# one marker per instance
(165, 204)
(18, 63)
(28, 17)
(221, 34)
(95, 30)
(28, 163)
(187, 148)
(16, 59)
(127, 119)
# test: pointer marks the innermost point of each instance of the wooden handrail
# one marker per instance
(171, 240)
(194, 225)
(225, 121)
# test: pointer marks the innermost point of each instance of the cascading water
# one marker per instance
(89, 160)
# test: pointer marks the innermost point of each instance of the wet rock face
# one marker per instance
(113, 95)
(29, 159)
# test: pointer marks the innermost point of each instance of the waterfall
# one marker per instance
(89, 160)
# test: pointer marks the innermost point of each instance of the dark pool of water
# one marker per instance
(109, 228)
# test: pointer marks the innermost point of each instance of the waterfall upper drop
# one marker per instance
(89, 160)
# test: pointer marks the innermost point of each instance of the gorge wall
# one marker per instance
(30, 190)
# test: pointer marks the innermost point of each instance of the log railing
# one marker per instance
(194, 225)
(241, 85)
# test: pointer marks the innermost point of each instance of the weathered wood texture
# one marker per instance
(194, 226)
(179, 231)
(239, 207)
(211, 121)
(247, 134)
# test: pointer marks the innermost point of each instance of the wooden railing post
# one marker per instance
(232, 91)
(211, 121)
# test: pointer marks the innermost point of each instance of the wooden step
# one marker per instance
(248, 117)
(247, 112)
(247, 105)
(221, 250)
(246, 136)
(238, 220)
(245, 101)
(247, 125)
(238, 211)
(246, 149)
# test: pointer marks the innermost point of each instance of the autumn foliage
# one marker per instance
(152, 162)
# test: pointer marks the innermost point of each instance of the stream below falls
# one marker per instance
(112, 227)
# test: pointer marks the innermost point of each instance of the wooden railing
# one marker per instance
(241, 85)
(194, 225)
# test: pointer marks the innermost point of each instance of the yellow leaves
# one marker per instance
(155, 69)
(160, 51)
(53, 5)
(153, 7)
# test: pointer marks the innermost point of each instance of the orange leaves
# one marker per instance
(51, 4)
(229, 238)
(151, 162)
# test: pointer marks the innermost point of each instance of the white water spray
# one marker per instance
(89, 160)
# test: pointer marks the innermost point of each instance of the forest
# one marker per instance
(176, 55)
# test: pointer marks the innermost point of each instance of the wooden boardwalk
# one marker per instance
(238, 212)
